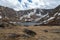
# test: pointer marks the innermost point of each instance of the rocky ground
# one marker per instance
(30, 33)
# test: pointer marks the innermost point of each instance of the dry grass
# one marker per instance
(41, 34)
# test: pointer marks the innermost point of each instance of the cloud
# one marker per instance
(29, 4)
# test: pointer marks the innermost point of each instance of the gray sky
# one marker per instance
(26, 4)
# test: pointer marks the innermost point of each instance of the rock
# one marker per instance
(25, 36)
(2, 26)
(13, 35)
(45, 30)
(29, 32)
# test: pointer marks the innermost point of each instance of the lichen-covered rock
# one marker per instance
(29, 32)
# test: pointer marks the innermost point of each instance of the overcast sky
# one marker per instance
(29, 4)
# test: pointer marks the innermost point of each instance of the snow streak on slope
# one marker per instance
(29, 4)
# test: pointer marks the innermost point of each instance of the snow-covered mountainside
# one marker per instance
(29, 4)
(32, 16)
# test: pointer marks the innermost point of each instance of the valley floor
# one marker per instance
(42, 33)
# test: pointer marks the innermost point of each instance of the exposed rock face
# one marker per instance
(7, 12)
(32, 16)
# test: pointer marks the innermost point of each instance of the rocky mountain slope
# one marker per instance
(32, 16)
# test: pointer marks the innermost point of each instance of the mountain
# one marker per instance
(31, 16)
(7, 12)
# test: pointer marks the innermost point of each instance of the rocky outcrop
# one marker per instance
(29, 32)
